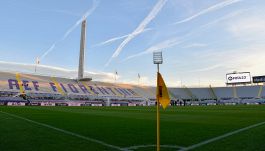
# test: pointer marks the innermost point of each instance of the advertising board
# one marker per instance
(258, 79)
(234, 78)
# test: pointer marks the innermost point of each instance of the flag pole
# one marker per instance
(37, 62)
(157, 119)
(138, 79)
(115, 76)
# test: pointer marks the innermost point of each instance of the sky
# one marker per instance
(201, 41)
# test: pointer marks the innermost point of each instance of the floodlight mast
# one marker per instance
(158, 59)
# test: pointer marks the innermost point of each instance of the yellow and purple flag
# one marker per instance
(161, 92)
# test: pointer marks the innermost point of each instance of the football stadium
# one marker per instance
(44, 112)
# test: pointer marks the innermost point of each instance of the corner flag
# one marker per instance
(161, 92)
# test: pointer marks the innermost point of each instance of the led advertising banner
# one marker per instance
(233, 78)
(258, 79)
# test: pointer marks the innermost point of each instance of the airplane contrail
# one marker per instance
(156, 9)
(162, 45)
(209, 9)
(172, 42)
(86, 14)
(117, 38)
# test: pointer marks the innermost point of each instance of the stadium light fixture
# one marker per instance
(157, 57)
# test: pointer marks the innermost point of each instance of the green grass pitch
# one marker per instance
(132, 128)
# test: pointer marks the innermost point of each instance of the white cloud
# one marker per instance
(248, 26)
(250, 58)
(156, 9)
(68, 73)
(173, 83)
(144, 80)
(208, 10)
(210, 66)
(53, 71)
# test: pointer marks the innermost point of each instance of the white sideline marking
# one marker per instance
(66, 132)
(222, 136)
(144, 146)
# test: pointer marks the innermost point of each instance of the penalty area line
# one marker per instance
(222, 136)
(66, 132)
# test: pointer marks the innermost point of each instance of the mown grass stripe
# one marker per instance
(66, 132)
(222, 136)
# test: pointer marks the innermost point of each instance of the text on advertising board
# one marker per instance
(258, 79)
(243, 77)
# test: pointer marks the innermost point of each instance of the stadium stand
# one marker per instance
(220, 95)
(28, 89)
(62, 91)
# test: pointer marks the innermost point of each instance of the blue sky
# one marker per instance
(201, 40)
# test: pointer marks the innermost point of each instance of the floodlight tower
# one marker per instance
(158, 59)
(82, 50)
